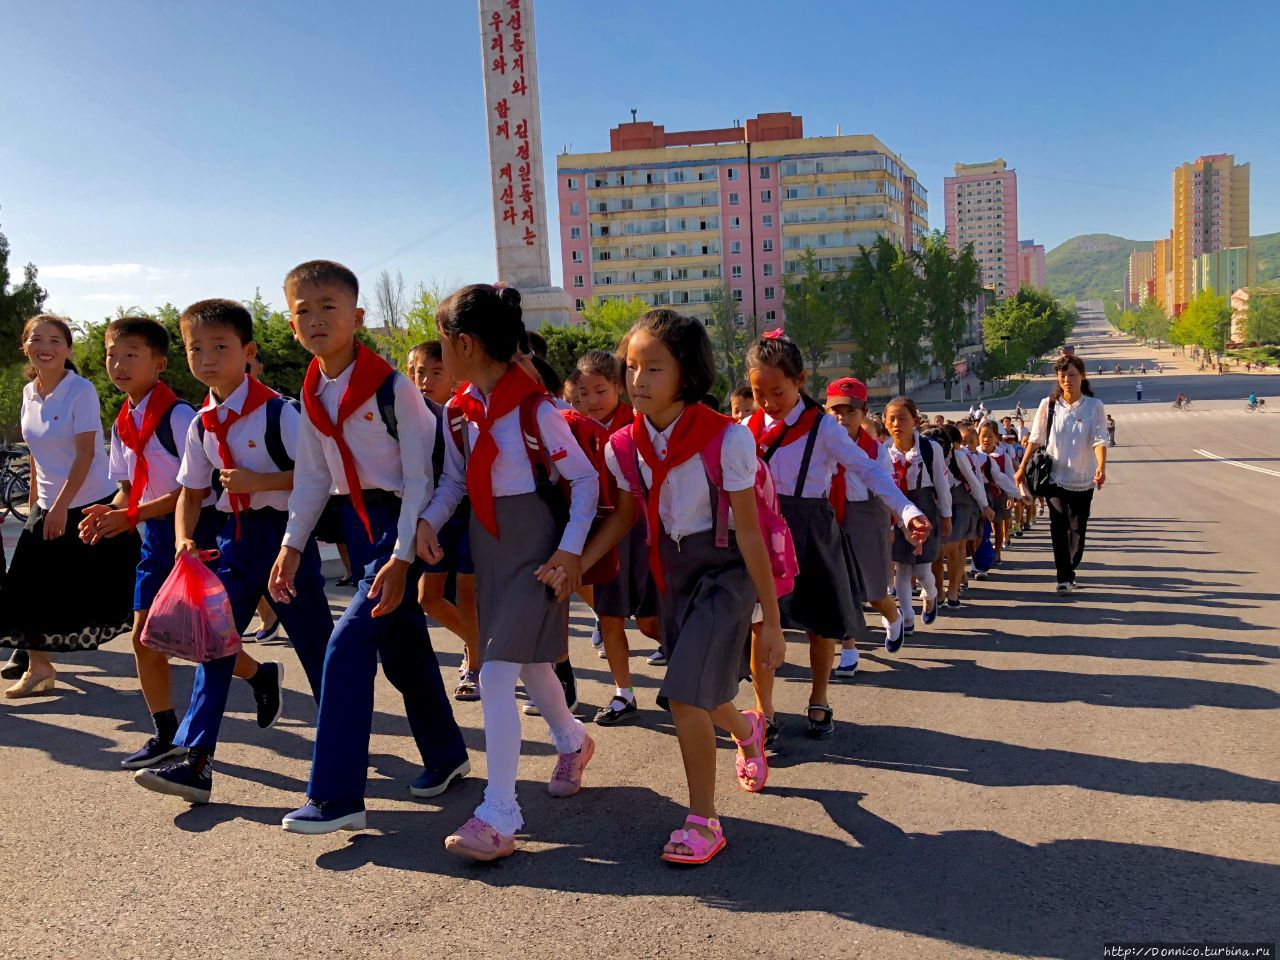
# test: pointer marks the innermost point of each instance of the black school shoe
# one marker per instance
(772, 731)
(191, 779)
(268, 692)
(619, 710)
(153, 751)
(16, 666)
(823, 727)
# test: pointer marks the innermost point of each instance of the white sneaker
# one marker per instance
(1064, 588)
(848, 666)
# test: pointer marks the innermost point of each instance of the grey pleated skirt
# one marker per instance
(520, 619)
(903, 551)
(867, 524)
(632, 593)
(823, 600)
(706, 619)
(964, 515)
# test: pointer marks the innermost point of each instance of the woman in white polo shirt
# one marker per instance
(1076, 438)
(61, 594)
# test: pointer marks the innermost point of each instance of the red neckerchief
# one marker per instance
(782, 434)
(368, 374)
(136, 438)
(698, 425)
(621, 417)
(840, 486)
(258, 394)
(507, 396)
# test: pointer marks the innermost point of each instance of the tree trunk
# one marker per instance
(946, 388)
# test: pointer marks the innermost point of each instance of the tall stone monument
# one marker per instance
(520, 223)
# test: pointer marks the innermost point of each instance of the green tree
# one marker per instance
(950, 285)
(566, 344)
(12, 381)
(1151, 321)
(813, 316)
(1020, 329)
(1263, 322)
(18, 302)
(1206, 322)
(418, 324)
(612, 316)
(889, 291)
(729, 338)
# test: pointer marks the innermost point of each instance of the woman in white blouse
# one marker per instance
(62, 594)
(1077, 440)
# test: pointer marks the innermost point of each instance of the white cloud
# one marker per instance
(92, 272)
(112, 297)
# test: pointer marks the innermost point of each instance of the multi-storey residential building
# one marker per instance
(676, 217)
(982, 208)
(1222, 271)
(1210, 213)
(1142, 271)
(1162, 270)
(1031, 264)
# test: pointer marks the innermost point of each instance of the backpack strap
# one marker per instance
(386, 400)
(713, 464)
(627, 453)
(539, 459)
(809, 444)
(164, 430)
(273, 437)
(458, 427)
(437, 447)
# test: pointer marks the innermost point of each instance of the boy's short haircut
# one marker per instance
(324, 272)
(147, 329)
(430, 350)
(538, 344)
(218, 313)
(743, 392)
(600, 363)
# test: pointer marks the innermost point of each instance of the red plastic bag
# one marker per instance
(191, 616)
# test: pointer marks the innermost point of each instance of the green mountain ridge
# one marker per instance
(1093, 266)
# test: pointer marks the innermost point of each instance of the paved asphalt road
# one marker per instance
(1032, 776)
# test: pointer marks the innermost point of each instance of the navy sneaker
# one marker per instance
(954, 605)
(432, 783)
(930, 612)
(658, 658)
(191, 779)
(268, 693)
(326, 816)
(270, 633)
(152, 752)
(908, 628)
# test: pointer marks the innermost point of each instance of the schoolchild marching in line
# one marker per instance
(803, 448)
(515, 537)
(919, 468)
(632, 592)
(144, 460)
(998, 473)
(708, 587)
(364, 440)
(864, 519)
(969, 508)
(425, 365)
(242, 445)
(62, 428)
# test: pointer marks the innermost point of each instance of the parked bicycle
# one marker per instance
(15, 480)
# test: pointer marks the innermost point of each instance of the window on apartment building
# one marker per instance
(733, 173)
(735, 246)
(735, 223)
(770, 293)
(737, 295)
(771, 315)
(577, 256)
(766, 173)
(578, 281)
(767, 269)
(575, 233)
(766, 220)
(575, 208)
(735, 271)
(766, 246)
(579, 304)
(571, 183)
(733, 199)
(766, 196)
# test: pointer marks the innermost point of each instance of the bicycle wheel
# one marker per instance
(17, 494)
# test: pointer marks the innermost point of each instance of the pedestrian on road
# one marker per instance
(1138, 388)
(1070, 424)
(1111, 431)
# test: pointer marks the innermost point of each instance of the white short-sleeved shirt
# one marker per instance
(684, 503)
(50, 426)
(247, 438)
(162, 466)
(1077, 428)
(383, 462)
(855, 491)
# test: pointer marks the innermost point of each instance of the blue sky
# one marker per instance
(172, 151)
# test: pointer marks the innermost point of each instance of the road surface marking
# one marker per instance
(1237, 463)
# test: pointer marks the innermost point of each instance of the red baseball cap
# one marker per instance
(847, 388)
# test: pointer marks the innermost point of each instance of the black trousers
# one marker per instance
(1068, 518)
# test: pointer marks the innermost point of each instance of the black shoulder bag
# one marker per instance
(1040, 465)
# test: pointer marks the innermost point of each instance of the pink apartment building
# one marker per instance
(1031, 264)
(981, 203)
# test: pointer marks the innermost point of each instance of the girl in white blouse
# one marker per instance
(62, 427)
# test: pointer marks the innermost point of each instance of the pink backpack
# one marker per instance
(773, 527)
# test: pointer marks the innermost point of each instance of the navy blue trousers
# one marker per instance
(340, 763)
(243, 568)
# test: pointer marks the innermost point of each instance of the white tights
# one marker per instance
(500, 808)
(902, 574)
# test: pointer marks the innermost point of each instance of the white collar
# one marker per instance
(341, 380)
(234, 403)
(792, 416)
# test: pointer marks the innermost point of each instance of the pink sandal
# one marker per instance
(477, 840)
(703, 849)
(753, 772)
